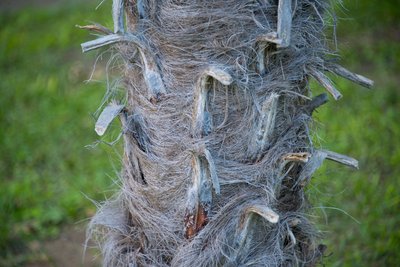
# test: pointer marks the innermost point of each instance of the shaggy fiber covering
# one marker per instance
(216, 129)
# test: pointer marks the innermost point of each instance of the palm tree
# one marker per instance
(216, 127)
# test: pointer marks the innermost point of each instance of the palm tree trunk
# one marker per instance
(215, 122)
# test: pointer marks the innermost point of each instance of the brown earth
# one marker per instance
(67, 250)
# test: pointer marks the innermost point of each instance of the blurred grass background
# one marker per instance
(48, 176)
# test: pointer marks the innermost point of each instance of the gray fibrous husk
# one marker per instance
(215, 125)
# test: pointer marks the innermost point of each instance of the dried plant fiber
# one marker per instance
(215, 125)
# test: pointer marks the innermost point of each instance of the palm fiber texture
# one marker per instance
(216, 120)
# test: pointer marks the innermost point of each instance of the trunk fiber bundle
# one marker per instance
(216, 130)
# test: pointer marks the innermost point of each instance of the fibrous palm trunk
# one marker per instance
(217, 149)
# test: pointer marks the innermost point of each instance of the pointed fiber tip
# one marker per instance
(83, 48)
(351, 76)
(106, 117)
(318, 101)
(264, 212)
(100, 130)
(337, 96)
(342, 159)
(369, 83)
(219, 73)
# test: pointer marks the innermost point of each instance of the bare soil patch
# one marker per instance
(67, 250)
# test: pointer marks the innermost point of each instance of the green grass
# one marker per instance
(365, 125)
(46, 123)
